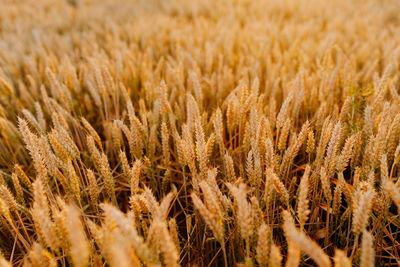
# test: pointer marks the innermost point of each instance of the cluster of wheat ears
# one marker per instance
(197, 133)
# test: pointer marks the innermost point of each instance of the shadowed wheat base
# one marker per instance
(215, 132)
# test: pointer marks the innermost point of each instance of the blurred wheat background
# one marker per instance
(199, 133)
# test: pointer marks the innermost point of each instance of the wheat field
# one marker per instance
(199, 133)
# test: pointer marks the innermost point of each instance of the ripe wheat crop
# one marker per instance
(199, 133)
